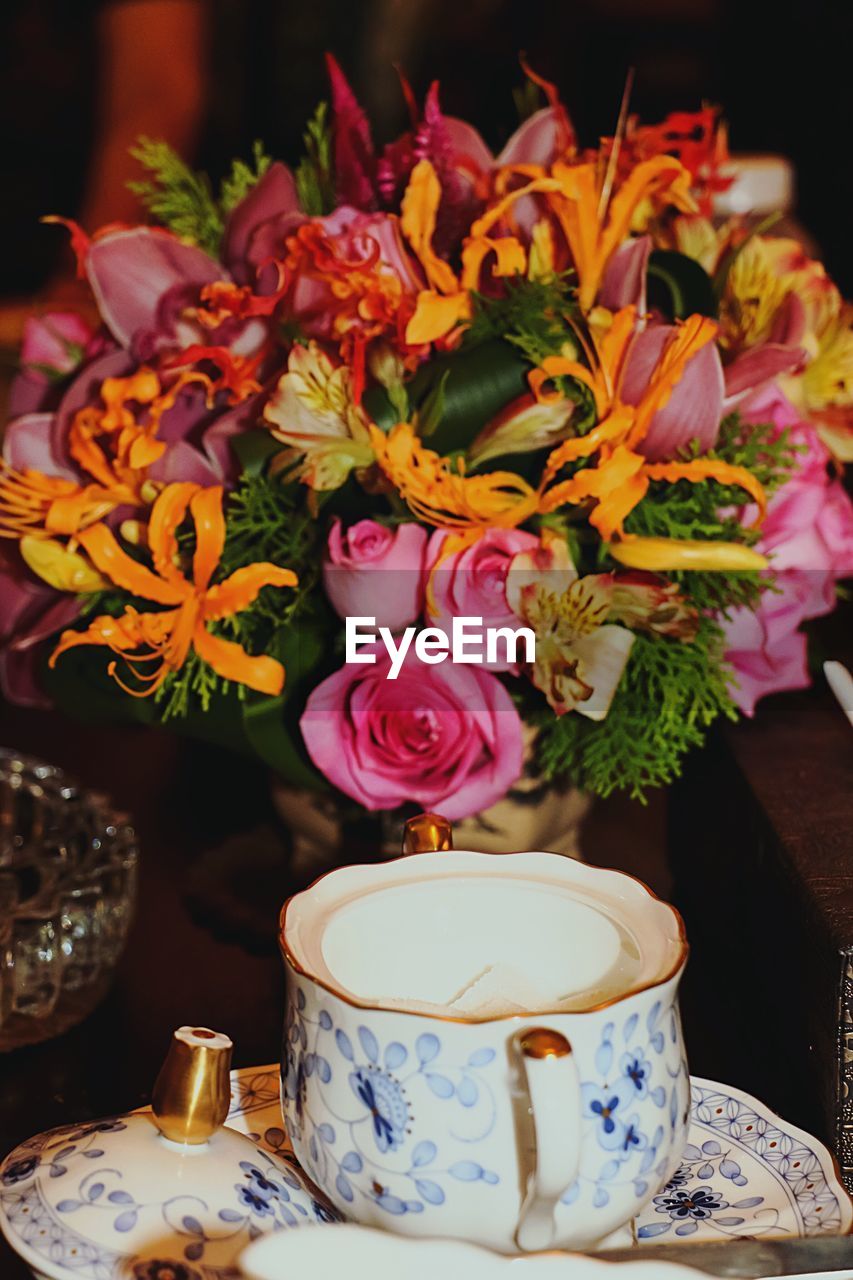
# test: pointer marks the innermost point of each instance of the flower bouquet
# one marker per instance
(403, 386)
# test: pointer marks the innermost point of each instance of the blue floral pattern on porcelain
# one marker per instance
(744, 1172)
(782, 1179)
(409, 1122)
(90, 1199)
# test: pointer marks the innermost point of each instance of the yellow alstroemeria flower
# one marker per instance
(312, 410)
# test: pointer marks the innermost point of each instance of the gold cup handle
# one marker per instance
(427, 833)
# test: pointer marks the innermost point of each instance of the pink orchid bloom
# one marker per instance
(30, 613)
(273, 201)
(40, 441)
(693, 411)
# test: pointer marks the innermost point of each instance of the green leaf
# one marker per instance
(178, 197)
(254, 449)
(477, 383)
(671, 691)
(243, 177)
(679, 286)
(431, 411)
(271, 724)
(314, 177)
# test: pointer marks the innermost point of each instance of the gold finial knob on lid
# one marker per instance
(193, 1090)
(427, 833)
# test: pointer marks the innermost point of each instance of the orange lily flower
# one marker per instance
(593, 224)
(447, 302)
(439, 492)
(237, 374)
(594, 233)
(111, 446)
(222, 300)
(620, 480)
(166, 637)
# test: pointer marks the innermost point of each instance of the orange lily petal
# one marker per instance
(124, 634)
(510, 258)
(419, 209)
(145, 451)
(231, 661)
(106, 554)
(613, 428)
(559, 367)
(206, 507)
(689, 338)
(435, 316)
(660, 173)
(612, 346)
(67, 515)
(618, 483)
(712, 469)
(441, 495)
(576, 207)
(239, 590)
(492, 216)
(168, 512)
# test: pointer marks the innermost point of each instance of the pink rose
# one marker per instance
(375, 572)
(473, 583)
(55, 343)
(446, 737)
(53, 346)
(808, 535)
(765, 646)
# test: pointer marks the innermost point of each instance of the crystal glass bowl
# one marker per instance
(67, 891)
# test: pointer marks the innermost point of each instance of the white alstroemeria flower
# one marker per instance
(313, 412)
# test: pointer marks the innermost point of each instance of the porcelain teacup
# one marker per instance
(485, 1046)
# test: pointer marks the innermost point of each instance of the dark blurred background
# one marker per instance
(213, 75)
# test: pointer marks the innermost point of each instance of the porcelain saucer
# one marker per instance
(745, 1172)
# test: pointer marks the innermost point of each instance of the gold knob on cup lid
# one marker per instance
(427, 833)
(193, 1091)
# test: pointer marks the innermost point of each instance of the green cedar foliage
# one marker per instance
(183, 201)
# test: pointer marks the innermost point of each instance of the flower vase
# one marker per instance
(327, 830)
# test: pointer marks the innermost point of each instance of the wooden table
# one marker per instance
(761, 848)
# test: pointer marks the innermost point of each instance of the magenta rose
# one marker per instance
(473, 583)
(808, 536)
(372, 571)
(445, 737)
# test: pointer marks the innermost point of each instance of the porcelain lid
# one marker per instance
(116, 1198)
